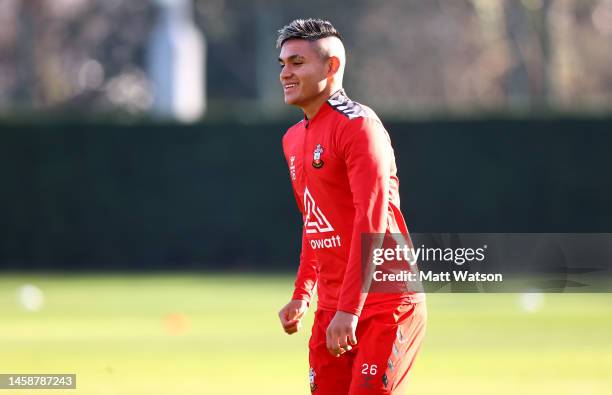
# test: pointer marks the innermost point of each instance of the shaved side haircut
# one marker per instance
(307, 29)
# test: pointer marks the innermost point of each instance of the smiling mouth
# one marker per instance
(289, 86)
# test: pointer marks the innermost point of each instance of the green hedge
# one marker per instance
(103, 196)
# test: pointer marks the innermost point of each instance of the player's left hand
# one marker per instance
(341, 333)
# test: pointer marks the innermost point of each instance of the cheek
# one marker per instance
(312, 79)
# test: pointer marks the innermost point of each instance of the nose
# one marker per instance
(285, 73)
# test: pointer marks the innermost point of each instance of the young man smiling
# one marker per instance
(343, 173)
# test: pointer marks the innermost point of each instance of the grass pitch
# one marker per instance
(219, 334)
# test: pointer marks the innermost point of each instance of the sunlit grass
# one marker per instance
(219, 334)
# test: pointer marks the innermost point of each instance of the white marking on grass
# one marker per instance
(30, 297)
(531, 302)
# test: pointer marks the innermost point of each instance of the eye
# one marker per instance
(281, 65)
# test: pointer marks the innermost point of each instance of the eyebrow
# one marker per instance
(292, 57)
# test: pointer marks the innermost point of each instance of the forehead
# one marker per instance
(298, 47)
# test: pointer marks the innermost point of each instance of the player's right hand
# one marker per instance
(291, 315)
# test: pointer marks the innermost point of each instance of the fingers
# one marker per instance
(290, 313)
(336, 348)
(337, 344)
(299, 314)
(286, 315)
(331, 341)
(340, 335)
(291, 318)
(352, 337)
(292, 326)
(343, 345)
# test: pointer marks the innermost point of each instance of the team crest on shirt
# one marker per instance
(317, 162)
(311, 378)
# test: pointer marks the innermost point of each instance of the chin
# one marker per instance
(293, 101)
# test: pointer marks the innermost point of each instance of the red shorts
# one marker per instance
(388, 339)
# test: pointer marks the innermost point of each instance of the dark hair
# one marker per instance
(306, 29)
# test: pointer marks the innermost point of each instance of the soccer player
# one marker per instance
(342, 168)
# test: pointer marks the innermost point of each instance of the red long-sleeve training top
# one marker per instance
(343, 172)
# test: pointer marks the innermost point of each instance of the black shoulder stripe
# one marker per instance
(351, 110)
(341, 103)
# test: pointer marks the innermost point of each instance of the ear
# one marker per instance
(333, 65)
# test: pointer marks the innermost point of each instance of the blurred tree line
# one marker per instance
(406, 57)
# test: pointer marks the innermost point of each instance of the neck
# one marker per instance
(311, 109)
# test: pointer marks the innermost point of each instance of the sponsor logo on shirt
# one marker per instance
(315, 222)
